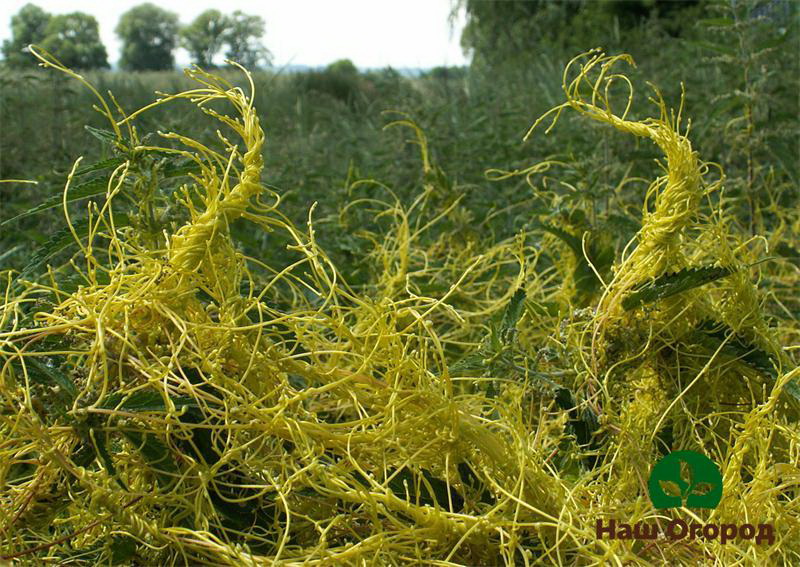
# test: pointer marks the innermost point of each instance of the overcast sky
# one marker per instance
(371, 33)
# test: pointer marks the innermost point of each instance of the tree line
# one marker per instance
(149, 36)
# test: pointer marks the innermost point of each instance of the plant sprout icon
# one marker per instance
(685, 478)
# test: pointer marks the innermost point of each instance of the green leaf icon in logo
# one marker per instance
(685, 478)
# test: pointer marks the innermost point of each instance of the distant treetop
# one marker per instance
(149, 36)
(243, 38)
(73, 38)
(240, 32)
(203, 38)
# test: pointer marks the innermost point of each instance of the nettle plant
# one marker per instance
(167, 399)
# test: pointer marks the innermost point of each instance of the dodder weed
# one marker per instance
(184, 403)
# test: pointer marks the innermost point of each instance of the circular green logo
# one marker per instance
(685, 478)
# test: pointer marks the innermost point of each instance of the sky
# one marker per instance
(371, 33)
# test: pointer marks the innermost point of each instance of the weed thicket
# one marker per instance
(473, 389)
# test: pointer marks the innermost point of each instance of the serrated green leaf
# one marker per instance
(570, 240)
(70, 283)
(156, 453)
(122, 548)
(105, 136)
(202, 444)
(513, 312)
(61, 240)
(55, 244)
(586, 281)
(622, 224)
(793, 389)
(583, 424)
(470, 363)
(432, 490)
(99, 441)
(179, 169)
(673, 284)
(50, 376)
(82, 191)
(143, 400)
(244, 516)
(101, 165)
(713, 333)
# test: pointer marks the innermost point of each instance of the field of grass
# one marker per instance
(403, 327)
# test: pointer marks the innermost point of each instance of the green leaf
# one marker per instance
(432, 490)
(244, 516)
(61, 240)
(50, 376)
(101, 165)
(570, 240)
(512, 314)
(53, 246)
(201, 445)
(621, 224)
(778, 39)
(673, 284)
(712, 334)
(179, 169)
(45, 371)
(716, 22)
(789, 253)
(724, 50)
(122, 548)
(99, 441)
(470, 363)
(82, 191)
(601, 257)
(10, 251)
(156, 453)
(583, 424)
(143, 400)
(105, 136)
(71, 282)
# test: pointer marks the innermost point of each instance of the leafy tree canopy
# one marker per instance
(510, 31)
(28, 26)
(75, 40)
(204, 37)
(243, 38)
(149, 36)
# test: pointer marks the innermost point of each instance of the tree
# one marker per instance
(511, 32)
(500, 33)
(203, 38)
(340, 80)
(149, 35)
(75, 40)
(28, 26)
(243, 38)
